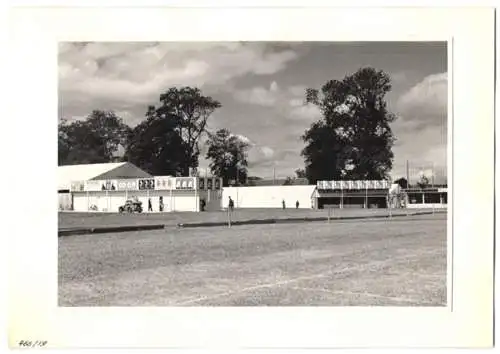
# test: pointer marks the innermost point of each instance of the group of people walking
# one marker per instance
(283, 204)
(203, 204)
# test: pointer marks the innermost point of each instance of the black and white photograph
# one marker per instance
(250, 176)
(332, 158)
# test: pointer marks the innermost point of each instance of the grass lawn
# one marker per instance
(399, 262)
(75, 219)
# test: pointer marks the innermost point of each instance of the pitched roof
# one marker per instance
(68, 174)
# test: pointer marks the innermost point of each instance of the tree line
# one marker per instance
(352, 139)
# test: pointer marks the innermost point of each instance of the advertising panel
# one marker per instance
(218, 183)
(201, 183)
(146, 184)
(93, 186)
(209, 183)
(77, 186)
(163, 182)
(127, 185)
(109, 185)
(184, 183)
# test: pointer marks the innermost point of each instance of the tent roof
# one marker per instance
(71, 173)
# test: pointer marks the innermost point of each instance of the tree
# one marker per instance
(353, 140)
(156, 146)
(190, 109)
(288, 181)
(423, 182)
(228, 155)
(93, 140)
(403, 183)
(300, 173)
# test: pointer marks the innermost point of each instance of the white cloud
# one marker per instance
(422, 112)
(426, 100)
(289, 103)
(267, 151)
(119, 73)
(244, 139)
(257, 95)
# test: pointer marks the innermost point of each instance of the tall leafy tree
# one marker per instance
(228, 155)
(93, 140)
(300, 173)
(190, 109)
(353, 140)
(156, 146)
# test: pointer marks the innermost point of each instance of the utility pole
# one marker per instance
(274, 175)
(432, 175)
(408, 173)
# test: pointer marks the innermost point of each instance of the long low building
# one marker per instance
(270, 196)
(106, 187)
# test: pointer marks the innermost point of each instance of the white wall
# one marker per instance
(180, 201)
(427, 206)
(268, 196)
(65, 201)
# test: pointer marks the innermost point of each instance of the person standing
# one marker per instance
(297, 204)
(150, 205)
(161, 203)
(283, 204)
(231, 204)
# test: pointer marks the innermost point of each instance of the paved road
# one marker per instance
(378, 262)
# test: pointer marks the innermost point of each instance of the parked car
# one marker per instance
(131, 206)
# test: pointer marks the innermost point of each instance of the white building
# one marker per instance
(270, 196)
(106, 187)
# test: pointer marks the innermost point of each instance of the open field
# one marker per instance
(399, 262)
(74, 219)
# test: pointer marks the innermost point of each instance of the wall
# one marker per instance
(110, 202)
(212, 198)
(269, 196)
(427, 206)
(65, 201)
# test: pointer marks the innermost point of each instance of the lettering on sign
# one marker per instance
(146, 184)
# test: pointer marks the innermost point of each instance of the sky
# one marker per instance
(261, 88)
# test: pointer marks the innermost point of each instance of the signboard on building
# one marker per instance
(209, 183)
(77, 186)
(109, 185)
(185, 183)
(146, 184)
(164, 182)
(202, 183)
(218, 183)
(93, 186)
(127, 185)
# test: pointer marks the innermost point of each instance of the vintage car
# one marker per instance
(131, 206)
